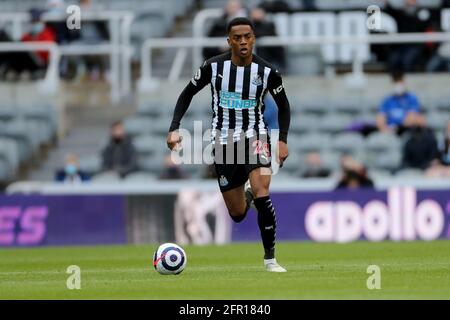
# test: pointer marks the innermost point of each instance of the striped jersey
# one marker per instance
(237, 95)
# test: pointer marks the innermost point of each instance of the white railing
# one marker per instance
(118, 48)
(148, 82)
(279, 184)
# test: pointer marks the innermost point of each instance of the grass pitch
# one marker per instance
(409, 270)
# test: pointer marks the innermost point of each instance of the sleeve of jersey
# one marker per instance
(197, 83)
(284, 110)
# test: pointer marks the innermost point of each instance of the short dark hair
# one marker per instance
(116, 124)
(241, 21)
(397, 76)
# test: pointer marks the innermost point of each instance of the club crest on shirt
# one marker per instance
(223, 181)
(257, 81)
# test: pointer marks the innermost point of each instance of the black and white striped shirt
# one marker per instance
(237, 96)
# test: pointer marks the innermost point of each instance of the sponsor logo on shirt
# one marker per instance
(233, 100)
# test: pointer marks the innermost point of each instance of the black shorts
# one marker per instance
(234, 162)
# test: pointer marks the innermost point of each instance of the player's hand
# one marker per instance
(173, 139)
(283, 152)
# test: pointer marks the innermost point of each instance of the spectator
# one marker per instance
(354, 175)
(119, 155)
(71, 172)
(410, 19)
(262, 27)
(275, 6)
(314, 167)
(440, 167)
(14, 63)
(39, 32)
(309, 5)
(399, 111)
(172, 171)
(56, 9)
(92, 32)
(420, 148)
(233, 9)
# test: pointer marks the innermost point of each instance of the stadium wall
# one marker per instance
(199, 217)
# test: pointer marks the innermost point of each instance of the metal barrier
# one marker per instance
(118, 48)
(147, 82)
(159, 187)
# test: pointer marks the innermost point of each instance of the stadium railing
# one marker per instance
(148, 82)
(119, 48)
(166, 187)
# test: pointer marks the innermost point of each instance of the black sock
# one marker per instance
(267, 225)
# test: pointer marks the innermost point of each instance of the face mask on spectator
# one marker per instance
(399, 89)
(37, 27)
(70, 169)
(117, 139)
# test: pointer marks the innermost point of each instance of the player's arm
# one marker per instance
(278, 93)
(197, 83)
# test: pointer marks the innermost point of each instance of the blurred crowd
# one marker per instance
(410, 18)
(400, 113)
(33, 64)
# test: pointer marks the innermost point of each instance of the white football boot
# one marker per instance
(272, 266)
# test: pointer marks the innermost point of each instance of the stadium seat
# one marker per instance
(312, 25)
(350, 107)
(318, 107)
(310, 142)
(438, 120)
(376, 174)
(91, 164)
(152, 164)
(135, 126)
(4, 170)
(305, 123)
(9, 150)
(293, 164)
(151, 109)
(148, 144)
(331, 160)
(380, 142)
(334, 123)
(22, 137)
(347, 143)
(7, 114)
(388, 160)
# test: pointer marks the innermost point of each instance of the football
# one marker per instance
(169, 258)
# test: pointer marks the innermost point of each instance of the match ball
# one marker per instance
(169, 258)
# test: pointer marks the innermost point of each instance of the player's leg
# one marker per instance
(260, 182)
(231, 178)
(236, 203)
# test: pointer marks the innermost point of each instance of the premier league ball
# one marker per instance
(169, 258)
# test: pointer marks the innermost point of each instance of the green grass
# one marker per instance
(409, 270)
